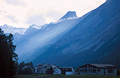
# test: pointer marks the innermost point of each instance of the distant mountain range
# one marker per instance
(74, 41)
(13, 30)
(36, 41)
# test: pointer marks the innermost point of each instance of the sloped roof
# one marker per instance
(44, 64)
(103, 65)
(100, 65)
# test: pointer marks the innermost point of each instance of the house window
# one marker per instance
(94, 69)
(80, 69)
(98, 69)
(110, 70)
(89, 68)
(85, 68)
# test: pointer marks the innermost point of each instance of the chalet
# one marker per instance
(97, 69)
(43, 68)
(67, 70)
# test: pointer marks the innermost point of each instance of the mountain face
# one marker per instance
(36, 41)
(95, 39)
(13, 30)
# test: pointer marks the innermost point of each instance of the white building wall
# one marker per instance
(57, 71)
(72, 72)
(69, 73)
(101, 71)
(35, 69)
(115, 72)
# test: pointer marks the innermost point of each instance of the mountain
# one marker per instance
(35, 41)
(95, 39)
(69, 14)
(73, 41)
(13, 30)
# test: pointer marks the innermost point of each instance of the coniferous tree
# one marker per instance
(7, 56)
(49, 71)
(25, 68)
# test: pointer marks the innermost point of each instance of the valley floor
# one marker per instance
(63, 76)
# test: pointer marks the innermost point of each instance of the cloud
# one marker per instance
(55, 15)
(22, 13)
(14, 2)
(36, 19)
(12, 18)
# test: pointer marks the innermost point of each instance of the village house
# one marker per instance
(67, 70)
(43, 68)
(97, 69)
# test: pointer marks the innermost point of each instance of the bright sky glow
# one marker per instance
(23, 13)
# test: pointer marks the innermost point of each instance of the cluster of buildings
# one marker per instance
(53, 69)
(87, 69)
(46, 69)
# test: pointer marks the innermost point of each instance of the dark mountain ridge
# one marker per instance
(95, 39)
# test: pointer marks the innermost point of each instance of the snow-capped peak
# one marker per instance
(69, 14)
(9, 29)
(36, 26)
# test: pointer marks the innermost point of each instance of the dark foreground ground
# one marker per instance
(63, 76)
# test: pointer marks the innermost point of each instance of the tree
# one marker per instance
(118, 72)
(8, 57)
(49, 71)
(25, 68)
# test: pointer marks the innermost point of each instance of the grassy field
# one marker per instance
(64, 76)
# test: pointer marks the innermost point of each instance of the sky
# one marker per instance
(23, 13)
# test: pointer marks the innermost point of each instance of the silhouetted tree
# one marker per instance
(7, 56)
(25, 68)
(118, 72)
(49, 71)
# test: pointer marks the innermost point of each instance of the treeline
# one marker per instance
(8, 58)
(25, 68)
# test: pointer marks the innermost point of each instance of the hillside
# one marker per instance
(72, 40)
(35, 42)
(95, 39)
